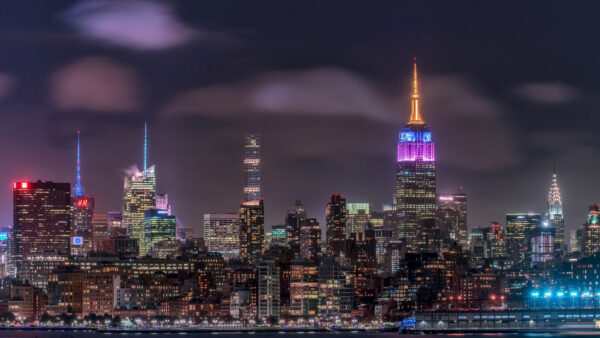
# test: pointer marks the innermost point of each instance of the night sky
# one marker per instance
(508, 88)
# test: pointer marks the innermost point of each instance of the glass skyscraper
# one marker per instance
(335, 216)
(222, 234)
(252, 167)
(139, 195)
(158, 226)
(415, 175)
(520, 228)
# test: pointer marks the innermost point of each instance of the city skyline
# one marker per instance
(210, 79)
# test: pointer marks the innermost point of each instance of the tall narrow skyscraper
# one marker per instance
(83, 211)
(555, 217)
(335, 216)
(252, 167)
(139, 195)
(78, 186)
(415, 174)
(252, 231)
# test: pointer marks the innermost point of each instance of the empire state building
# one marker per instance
(415, 179)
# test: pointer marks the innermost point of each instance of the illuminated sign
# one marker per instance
(407, 136)
(77, 241)
(3, 236)
(426, 136)
(162, 212)
(446, 198)
(83, 202)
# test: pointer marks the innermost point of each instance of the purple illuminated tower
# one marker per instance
(415, 179)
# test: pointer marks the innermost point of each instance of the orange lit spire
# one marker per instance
(415, 108)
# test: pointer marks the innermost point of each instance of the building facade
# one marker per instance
(335, 216)
(222, 234)
(415, 175)
(252, 231)
(252, 181)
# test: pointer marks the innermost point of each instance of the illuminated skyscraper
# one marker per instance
(83, 210)
(591, 232)
(415, 175)
(139, 195)
(252, 231)
(278, 235)
(519, 231)
(542, 244)
(335, 216)
(451, 219)
(158, 226)
(162, 203)
(293, 222)
(310, 239)
(268, 290)
(359, 215)
(42, 222)
(251, 167)
(555, 217)
(222, 234)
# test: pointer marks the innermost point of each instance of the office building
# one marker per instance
(293, 221)
(42, 223)
(519, 230)
(591, 232)
(415, 176)
(555, 217)
(451, 219)
(252, 181)
(158, 227)
(335, 216)
(252, 231)
(310, 239)
(359, 215)
(222, 234)
(268, 291)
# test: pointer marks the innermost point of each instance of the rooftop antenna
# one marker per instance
(145, 146)
(78, 186)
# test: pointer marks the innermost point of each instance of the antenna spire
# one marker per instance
(145, 146)
(415, 108)
(78, 186)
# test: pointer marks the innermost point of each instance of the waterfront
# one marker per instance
(93, 334)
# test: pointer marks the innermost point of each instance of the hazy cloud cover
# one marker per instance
(547, 93)
(144, 25)
(95, 84)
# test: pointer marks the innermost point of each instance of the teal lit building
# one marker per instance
(279, 234)
(158, 226)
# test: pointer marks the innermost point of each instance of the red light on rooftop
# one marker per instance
(24, 185)
(493, 297)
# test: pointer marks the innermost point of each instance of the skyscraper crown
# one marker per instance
(554, 194)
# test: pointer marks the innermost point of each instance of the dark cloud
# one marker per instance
(143, 25)
(95, 84)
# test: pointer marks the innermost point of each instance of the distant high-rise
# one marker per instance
(139, 195)
(158, 226)
(451, 219)
(555, 217)
(335, 216)
(415, 175)
(252, 182)
(162, 203)
(252, 231)
(542, 244)
(268, 290)
(222, 234)
(359, 215)
(591, 232)
(293, 222)
(42, 221)
(310, 239)
(83, 210)
(519, 230)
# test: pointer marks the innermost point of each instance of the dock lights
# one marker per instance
(535, 294)
(560, 294)
(573, 294)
